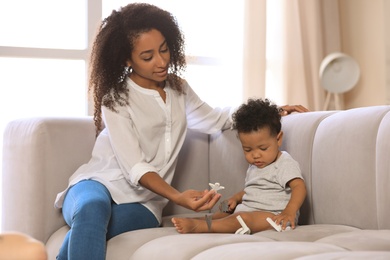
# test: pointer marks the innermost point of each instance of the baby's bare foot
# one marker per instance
(190, 225)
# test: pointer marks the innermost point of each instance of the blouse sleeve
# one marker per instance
(203, 118)
(125, 144)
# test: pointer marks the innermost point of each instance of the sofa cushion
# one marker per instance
(186, 246)
(192, 170)
(307, 233)
(360, 240)
(356, 255)
(266, 250)
(383, 173)
(124, 245)
(344, 168)
(299, 132)
(39, 156)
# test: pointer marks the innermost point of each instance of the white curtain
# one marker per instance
(254, 57)
(308, 31)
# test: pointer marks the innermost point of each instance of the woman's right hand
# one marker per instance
(198, 200)
(190, 199)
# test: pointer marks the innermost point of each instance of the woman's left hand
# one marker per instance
(287, 109)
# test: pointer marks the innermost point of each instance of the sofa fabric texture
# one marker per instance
(344, 157)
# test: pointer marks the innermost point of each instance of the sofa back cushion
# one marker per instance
(39, 156)
(227, 163)
(299, 131)
(383, 172)
(350, 166)
(192, 171)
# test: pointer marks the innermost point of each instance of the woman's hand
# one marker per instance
(190, 199)
(197, 200)
(287, 109)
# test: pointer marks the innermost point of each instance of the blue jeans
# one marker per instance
(94, 218)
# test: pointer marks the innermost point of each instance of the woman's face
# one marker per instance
(150, 59)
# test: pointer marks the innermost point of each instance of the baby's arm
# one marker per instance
(234, 200)
(298, 194)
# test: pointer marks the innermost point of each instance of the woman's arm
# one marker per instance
(191, 199)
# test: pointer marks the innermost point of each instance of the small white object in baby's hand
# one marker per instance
(277, 227)
(216, 186)
(244, 230)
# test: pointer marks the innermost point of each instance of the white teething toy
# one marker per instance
(216, 186)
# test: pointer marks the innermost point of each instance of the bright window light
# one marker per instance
(43, 24)
(42, 87)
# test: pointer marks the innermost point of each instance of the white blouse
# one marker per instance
(146, 136)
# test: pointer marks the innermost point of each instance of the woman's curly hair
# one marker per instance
(112, 49)
(257, 114)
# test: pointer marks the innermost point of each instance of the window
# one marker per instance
(43, 24)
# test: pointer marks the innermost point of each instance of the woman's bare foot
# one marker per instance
(190, 225)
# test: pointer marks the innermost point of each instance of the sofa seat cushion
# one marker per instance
(266, 250)
(186, 246)
(307, 233)
(366, 240)
(349, 255)
(124, 245)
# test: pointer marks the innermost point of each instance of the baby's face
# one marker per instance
(260, 147)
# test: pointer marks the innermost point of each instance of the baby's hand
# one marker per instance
(284, 220)
(224, 206)
(228, 206)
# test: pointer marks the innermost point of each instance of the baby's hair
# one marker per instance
(257, 114)
(113, 47)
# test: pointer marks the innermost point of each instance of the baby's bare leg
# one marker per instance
(256, 221)
(219, 214)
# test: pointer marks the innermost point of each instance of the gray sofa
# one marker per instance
(344, 157)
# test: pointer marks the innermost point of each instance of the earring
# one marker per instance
(125, 73)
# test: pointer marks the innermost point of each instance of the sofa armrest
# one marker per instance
(39, 156)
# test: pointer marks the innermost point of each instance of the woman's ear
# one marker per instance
(128, 63)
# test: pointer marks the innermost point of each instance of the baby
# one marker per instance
(274, 185)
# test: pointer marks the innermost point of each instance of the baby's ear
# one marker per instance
(279, 137)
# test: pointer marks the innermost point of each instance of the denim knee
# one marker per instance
(87, 200)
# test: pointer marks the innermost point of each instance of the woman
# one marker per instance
(146, 108)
